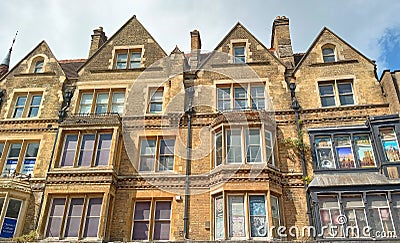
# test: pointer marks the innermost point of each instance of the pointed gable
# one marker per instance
(40, 53)
(131, 36)
(255, 51)
(343, 52)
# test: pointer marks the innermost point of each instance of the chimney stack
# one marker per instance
(98, 39)
(281, 41)
(195, 46)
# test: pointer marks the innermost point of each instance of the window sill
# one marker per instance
(341, 170)
(36, 74)
(322, 64)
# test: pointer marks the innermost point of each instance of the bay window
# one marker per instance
(241, 97)
(390, 144)
(79, 215)
(329, 212)
(86, 149)
(245, 215)
(238, 145)
(355, 214)
(151, 220)
(379, 210)
(343, 150)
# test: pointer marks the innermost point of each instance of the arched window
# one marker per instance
(328, 53)
(39, 66)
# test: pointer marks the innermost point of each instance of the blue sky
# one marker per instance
(371, 26)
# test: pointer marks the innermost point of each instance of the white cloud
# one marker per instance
(66, 25)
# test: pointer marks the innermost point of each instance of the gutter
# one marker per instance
(189, 112)
(296, 108)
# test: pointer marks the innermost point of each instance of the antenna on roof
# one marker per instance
(12, 44)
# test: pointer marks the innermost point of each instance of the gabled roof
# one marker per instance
(325, 29)
(43, 42)
(238, 25)
(133, 18)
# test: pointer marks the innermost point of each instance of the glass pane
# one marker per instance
(219, 218)
(57, 208)
(257, 205)
(33, 112)
(345, 88)
(36, 99)
(234, 146)
(91, 227)
(87, 99)
(102, 98)
(390, 144)
(15, 148)
(135, 56)
(103, 149)
(218, 148)
(94, 207)
(71, 142)
(239, 51)
(328, 101)
(146, 163)
(240, 93)
(142, 211)
(21, 101)
(327, 51)
(326, 90)
(18, 112)
(364, 151)
(148, 147)
(346, 99)
(167, 146)
(236, 216)
(118, 97)
(1, 149)
(117, 109)
(161, 230)
(74, 217)
(140, 231)
(32, 150)
(1, 203)
(53, 227)
(101, 109)
(344, 151)
(329, 58)
(86, 151)
(166, 163)
(155, 107)
(224, 93)
(13, 208)
(163, 210)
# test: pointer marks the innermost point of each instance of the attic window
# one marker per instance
(128, 59)
(239, 53)
(328, 53)
(39, 66)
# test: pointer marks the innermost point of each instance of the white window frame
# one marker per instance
(156, 154)
(27, 105)
(246, 86)
(94, 93)
(335, 83)
(128, 62)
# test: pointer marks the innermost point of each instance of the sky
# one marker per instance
(371, 26)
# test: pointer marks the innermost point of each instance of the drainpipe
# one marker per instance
(61, 115)
(296, 108)
(189, 112)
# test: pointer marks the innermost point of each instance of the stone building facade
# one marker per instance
(133, 144)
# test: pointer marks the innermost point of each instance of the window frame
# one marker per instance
(223, 132)
(248, 87)
(151, 95)
(94, 93)
(152, 218)
(26, 107)
(4, 156)
(80, 134)
(336, 94)
(156, 155)
(330, 55)
(128, 62)
(4, 208)
(352, 133)
(67, 203)
(226, 214)
(239, 59)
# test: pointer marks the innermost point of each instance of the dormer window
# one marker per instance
(128, 59)
(239, 54)
(328, 53)
(39, 66)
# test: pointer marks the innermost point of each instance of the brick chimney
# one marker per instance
(98, 39)
(195, 46)
(281, 42)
